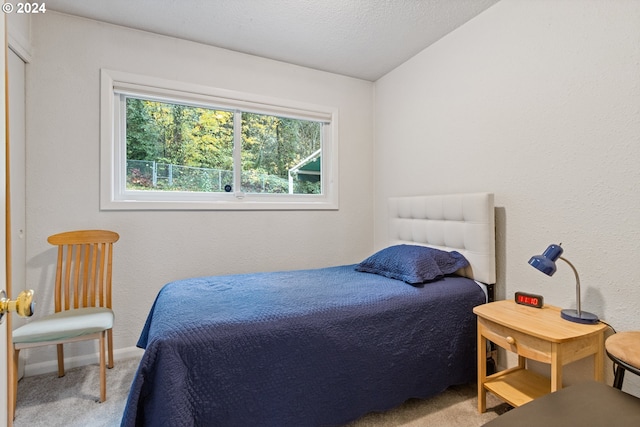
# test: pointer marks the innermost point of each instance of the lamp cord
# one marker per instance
(615, 332)
(612, 328)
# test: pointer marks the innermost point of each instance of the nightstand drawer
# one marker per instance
(517, 342)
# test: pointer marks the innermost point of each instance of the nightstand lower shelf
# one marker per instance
(518, 386)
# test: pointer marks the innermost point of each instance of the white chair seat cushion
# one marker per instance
(65, 324)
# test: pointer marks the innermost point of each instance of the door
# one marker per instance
(4, 421)
(17, 179)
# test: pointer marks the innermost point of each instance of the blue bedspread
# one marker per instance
(300, 348)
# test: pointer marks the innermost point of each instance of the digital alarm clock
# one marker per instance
(531, 300)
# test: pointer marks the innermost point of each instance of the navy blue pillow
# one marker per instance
(413, 264)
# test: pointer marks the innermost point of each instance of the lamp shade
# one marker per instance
(547, 261)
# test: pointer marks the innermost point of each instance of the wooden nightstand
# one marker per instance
(532, 333)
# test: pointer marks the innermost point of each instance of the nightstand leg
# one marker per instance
(556, 367)
(598, 360)
(482, 370)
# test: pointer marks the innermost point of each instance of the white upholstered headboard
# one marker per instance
(460, 222)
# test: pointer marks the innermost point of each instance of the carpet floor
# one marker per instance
(72, 401)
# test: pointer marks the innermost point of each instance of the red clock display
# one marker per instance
(531, 300)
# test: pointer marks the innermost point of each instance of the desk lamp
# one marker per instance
(547, 264)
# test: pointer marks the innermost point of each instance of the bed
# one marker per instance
(325, 346)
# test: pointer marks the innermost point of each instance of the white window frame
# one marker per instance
(113, 192)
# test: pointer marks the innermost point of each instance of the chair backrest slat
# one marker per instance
(107, 290)
(100, 285)
(90, 284)
(85, 276)
(67, 276)
(58, 288)
(83, 269)
(77, 265)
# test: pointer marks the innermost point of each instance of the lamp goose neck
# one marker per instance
(577, 285)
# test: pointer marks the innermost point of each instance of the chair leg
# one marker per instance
(60, 361)
(103, 370)
(110, 347)
(619, 377)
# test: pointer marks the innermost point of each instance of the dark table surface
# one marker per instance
(589, 404)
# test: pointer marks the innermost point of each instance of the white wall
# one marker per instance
(538, 102)
(157, 247)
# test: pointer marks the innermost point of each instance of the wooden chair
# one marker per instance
(82, 300)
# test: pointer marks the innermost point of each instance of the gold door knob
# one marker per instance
(23, 306)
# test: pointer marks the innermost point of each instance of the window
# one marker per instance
(171, 145)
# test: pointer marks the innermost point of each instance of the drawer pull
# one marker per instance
(511, 340)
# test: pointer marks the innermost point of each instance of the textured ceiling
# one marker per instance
(359, 38)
